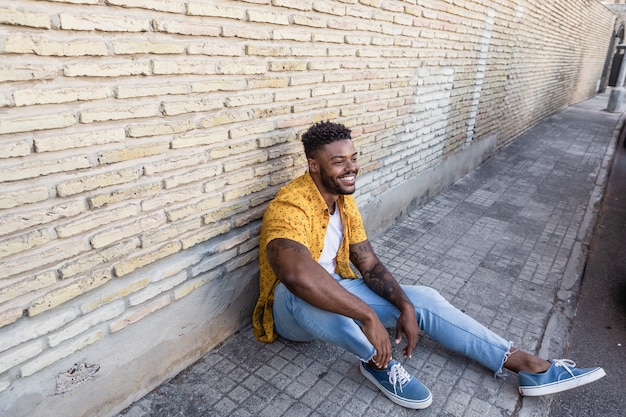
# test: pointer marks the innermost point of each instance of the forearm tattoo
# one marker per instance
(378, 278)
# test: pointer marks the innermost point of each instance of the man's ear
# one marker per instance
(313, 165)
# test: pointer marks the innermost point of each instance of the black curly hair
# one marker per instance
(321, 134)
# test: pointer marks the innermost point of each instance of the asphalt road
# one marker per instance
(599, 329)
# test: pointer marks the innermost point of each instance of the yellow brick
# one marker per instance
(204, 234)
(171, 163)
(172, 6)
(134, 263)
(302, 5)
(69, 291)
(100, 114)
(329, 8)
(9, 199)
(245, 32)
(268, 17)
(197, 208)
(194, 175)
(128, 47)
(131, 288)
(156, 129)
(10, 316)
(291, 35)
(186, 27)
(223, 213)
(273, 111)
(232, 149)
(95, 219)
(24, 18)
(252, 214)
(236, 68)
(133, 152)
(249, 99)
(36, 122)
(123, 231)
(242, 260)
(135, 315)
(273, 51)
(124, 194)
(41, 46)
(215, 49)
(37, 168)
(97, 69)
(60, 142)
(183, 67)
(255, 129)
(26, 72)
(245, 190)
(168, 232)
(24, 219)
(92, 182)
(231, 178)
(195, 139)
(218, 85)
(189, 106)
(307, 79)
(203, 9)
(131, 91)
(164, 199)
(238, 163)
(190, 286)
(328, 37)
(288, 66)
(23, 242)
(30, 284)
(53, 252)
(225, 117)
(303, 20)
(103, 22)
(86, 263)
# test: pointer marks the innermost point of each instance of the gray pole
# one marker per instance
(617, 93)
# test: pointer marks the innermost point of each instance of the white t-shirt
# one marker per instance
(332, 241)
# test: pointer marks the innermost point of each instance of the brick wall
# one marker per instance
(140, 141)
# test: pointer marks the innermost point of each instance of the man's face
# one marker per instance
(336, 168)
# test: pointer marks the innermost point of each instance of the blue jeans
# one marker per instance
(299, 321)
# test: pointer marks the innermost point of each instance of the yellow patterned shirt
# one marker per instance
(299, 213)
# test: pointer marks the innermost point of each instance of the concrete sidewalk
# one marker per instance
(506, 244)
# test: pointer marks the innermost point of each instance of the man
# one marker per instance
(311, 232)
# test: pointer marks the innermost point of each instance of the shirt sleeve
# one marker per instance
(285, 220)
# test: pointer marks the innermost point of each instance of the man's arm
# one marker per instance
(305, 278)
(379, 279)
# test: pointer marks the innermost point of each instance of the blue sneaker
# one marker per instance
(561, 376)
(398, 385)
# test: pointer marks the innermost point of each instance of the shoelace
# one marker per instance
(398, 376)
(567, 364)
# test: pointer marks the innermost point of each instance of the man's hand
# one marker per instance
(407, 325)
(379, 279)
(379, 337)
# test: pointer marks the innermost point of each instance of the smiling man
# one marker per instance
(311, 232)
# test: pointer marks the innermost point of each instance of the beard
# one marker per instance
(335, 186)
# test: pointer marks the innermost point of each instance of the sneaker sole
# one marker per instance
(414, 405)
(553, 388)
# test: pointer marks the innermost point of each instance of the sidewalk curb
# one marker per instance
(558, 328)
